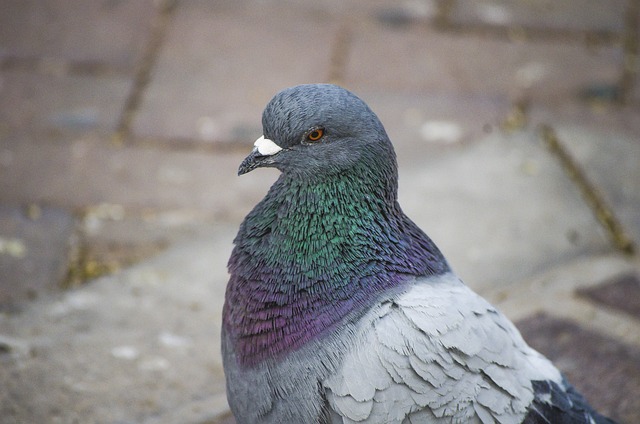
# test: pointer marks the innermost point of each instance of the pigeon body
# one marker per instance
(339, 309)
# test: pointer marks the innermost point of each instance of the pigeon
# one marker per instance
(339, 309)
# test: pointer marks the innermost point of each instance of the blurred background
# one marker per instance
(122, 124)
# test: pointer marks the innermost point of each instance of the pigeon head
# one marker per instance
(316, 130)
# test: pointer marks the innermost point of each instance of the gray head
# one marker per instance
(319, 129)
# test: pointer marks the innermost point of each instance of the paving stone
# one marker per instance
(420, 59)
(591, 15)
(592, 113)
(36, 103)
(621, 293)
(421, 123)
(114, 32)
(593, 363)
(139, 346)
(609, 156)
(34, 252)
(222, 62)
(500, 209)
(112, 238)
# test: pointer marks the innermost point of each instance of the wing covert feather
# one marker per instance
(438, 353)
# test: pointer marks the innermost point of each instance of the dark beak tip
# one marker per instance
(249, 163)
(243, 169)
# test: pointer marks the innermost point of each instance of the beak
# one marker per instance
(261, 155)
(251, 162)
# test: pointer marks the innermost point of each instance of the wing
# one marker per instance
(437, 353)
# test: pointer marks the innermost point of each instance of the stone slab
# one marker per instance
(593, 113)
(113, 32)
(593, 363)
(622, 293)
(34, 252)
(428, 124)
(500, 209)
(111, 238)
(223, 61)
(140, 346)
(36, 103)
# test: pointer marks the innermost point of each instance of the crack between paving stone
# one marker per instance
(339, 55)
(631, 51)
(529, 33)
(61, 67)
(91, 257)
(444, 8)
(81, 266)
(518, 116)
(590, 193)
(143, 70)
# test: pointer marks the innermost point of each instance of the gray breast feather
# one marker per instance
(437, 353)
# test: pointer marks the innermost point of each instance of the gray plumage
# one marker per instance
(437, 353)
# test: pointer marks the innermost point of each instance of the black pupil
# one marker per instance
(315, 135)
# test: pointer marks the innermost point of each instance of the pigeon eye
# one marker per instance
(316, 134)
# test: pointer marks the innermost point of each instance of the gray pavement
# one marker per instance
(122, 125)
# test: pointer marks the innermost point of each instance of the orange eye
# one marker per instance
(316, 134)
